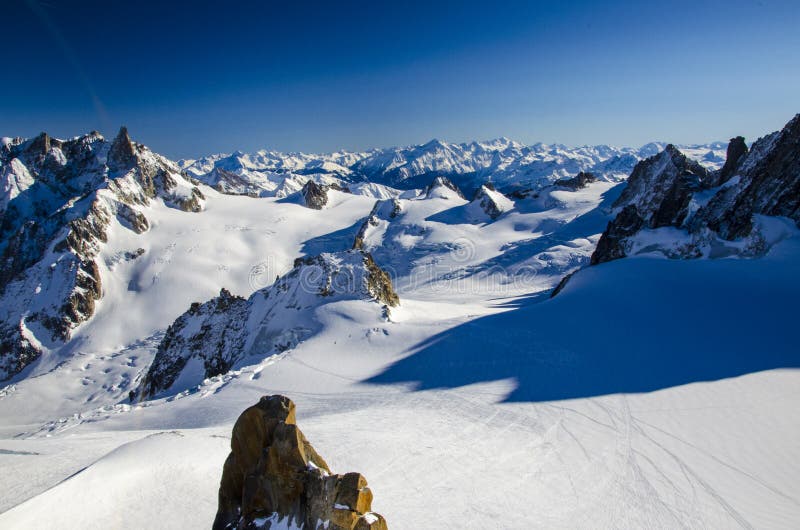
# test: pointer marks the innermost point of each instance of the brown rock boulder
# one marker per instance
(273, 474)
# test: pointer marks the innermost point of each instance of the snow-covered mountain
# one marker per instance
(211, 338)
(675, 205)
(185, 291)
(509, 165)
(60, 201)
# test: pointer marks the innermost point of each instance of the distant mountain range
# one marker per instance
(509, 165)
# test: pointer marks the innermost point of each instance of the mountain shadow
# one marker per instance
(633, 325)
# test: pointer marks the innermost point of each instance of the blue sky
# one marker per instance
(200, 77)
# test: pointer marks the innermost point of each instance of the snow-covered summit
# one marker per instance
(59, 200)
(509, 164)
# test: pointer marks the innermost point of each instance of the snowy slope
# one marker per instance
(706, 454)
(649, 393)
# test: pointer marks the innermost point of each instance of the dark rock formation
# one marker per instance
(737, 148)
(579, 181)
(769, 184)
(273, 475)
(314, 195)
(121, 155)
(193, 203)
(439, 182)
(379, 283)
(491, 202)
(215, 342)
(612, 243)
(660, 187)
(663, 192)
(383, 210)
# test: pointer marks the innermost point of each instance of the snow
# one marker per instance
(504, 161)
(650, 393)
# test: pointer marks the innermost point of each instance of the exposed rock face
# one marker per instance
(57, 200)
(715, 211)
(611, 245)
(210, 338)
(579, 181)
(192, 203)
(211, 332)
(434, 189)
(661, 186)
(274, 476)
(737, 148)
(383, 212)
(315, 195)
(492, 203)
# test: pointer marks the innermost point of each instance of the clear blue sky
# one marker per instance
(200, 77)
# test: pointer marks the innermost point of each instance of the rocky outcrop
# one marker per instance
(210, 338)
(315, 196)
(661, 187)
(715, 211)
(273, 476)
(211, 333)
(438, 188)
(611, 245)
(579, 181)
(382, 212)
(57, 201)
(490, 202)
(737, 148)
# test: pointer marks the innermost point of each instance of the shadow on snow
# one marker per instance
(633, 325)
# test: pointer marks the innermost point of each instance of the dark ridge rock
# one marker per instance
(16, 350)
(611, 245)
(385, 209)
(562, 284)
(315, 196)
(737, 148)
(579, 181)
(769, 185)
(273, 474)
(661, 190)
(40, 145)
(488, 199)
(222, 319)
(338, 187)
(661, 187)
(379, 283)
(193, 202)
(121, 155)
(522, 193)
(81, 302)
(442, 182)
(133, 219)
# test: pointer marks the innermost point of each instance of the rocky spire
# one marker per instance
(273, 474)
(315, 195)
(737, 148)
(121, 155)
